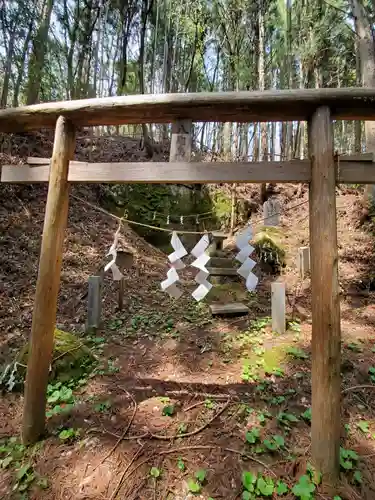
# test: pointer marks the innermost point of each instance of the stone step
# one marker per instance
(230, 309)
(222, 271)
(221, 262)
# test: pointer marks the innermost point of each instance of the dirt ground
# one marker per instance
(180, 403)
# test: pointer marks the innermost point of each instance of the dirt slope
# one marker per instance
(187, 391)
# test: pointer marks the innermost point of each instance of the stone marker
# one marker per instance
(303, 261)
(271, 212)
(278, 307)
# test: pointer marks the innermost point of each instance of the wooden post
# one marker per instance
(94, 303)
(47, 287)
(278, 307)
(325, 372)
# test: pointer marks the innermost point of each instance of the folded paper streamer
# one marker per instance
(179, 252)
(200, 263)
(243, 256)
(116, 273)
(169, 285)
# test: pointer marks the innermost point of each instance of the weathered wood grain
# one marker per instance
(348, 172)
(166, 172)
(271, 105)
(48, 283)
(325, 303)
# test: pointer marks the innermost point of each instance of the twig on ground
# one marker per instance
(150, 457)
(67, 352)
(356, 387)
(215, 447)
(125, 438)
(196, 431)
(123, 434)
(136, 455)
(200, 403)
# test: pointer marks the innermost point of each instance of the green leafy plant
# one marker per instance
(297, 353)
(16, 457)
(372, 373)
(103, 407)
(195, 485)
(281, 488)
(357, 477)
(248, 374)
(277, 400)
(304, 489)
(274, 443)
(353, 346)
(182, 428)
(363, 426)
(201, 475)
(59, 409)
(169, 410)
(69, 434)
(155, 472)
(256, 485)
(252, 436)
(181, 464)
(209, 404)
(285, 419)
(263, 415)
(294, 326)
(348, 459)
(58, 393)
(306, 415)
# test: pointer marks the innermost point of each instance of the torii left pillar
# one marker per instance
(47, 287)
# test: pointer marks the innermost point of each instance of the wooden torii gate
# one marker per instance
(322, 171)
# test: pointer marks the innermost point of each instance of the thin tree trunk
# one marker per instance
(357, 123)
(21, 68)
(367, 59)
(38, 53)
(146, 9)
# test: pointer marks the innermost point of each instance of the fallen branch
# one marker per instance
(356, 387)
(136, 455)
(192, 433)
(123, 434)
(215, 447)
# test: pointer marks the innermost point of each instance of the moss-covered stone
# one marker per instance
(269, 248)
(70, 360)
(151, 204)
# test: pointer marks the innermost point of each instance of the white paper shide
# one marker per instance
(243, 256)
(170, 284)
(199, 251)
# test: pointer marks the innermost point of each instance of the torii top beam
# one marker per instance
(272, 105)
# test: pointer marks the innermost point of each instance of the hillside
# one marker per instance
(182, 391)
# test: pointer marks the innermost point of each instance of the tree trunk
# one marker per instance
(357, 123)
(8, 69)
(38, 53)
(367, 59)
(21, 68)
(146, 9)
(261, 77)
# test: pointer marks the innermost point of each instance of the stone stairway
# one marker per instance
(221, 267)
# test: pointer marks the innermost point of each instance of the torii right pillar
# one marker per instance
(325, 301)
